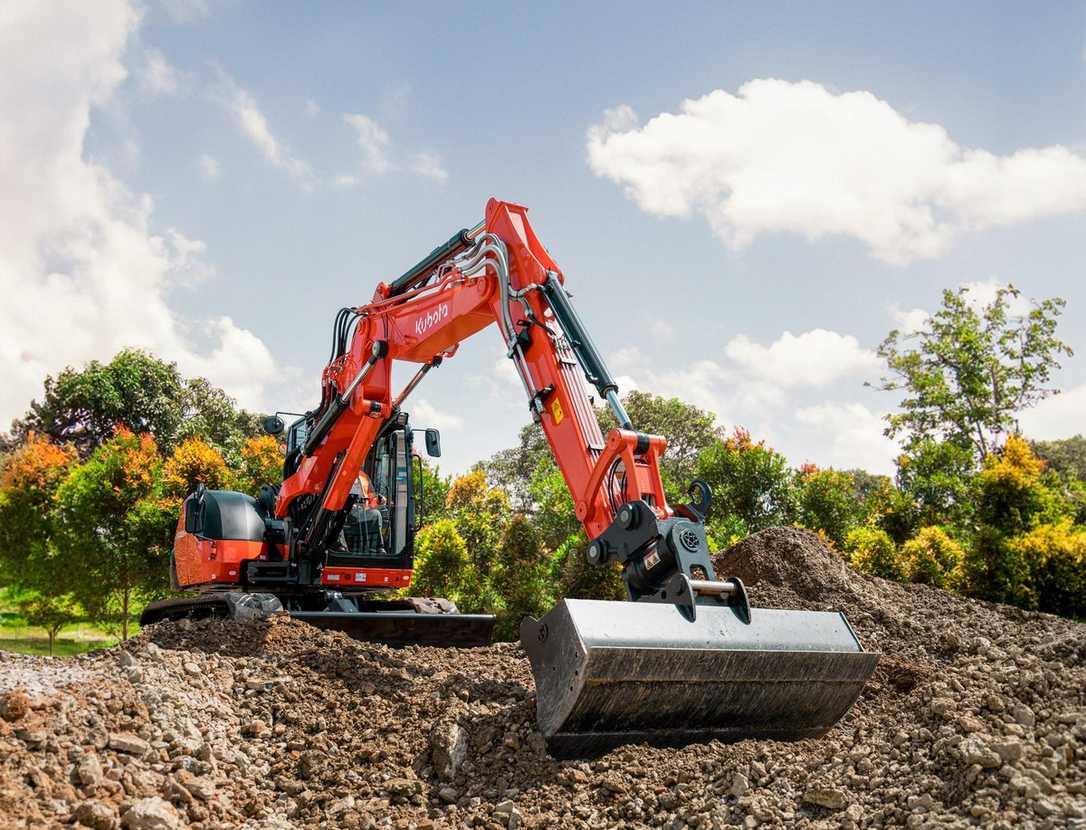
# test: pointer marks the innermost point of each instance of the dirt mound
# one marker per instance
(975, 717)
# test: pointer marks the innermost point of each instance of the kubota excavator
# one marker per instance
(685, 659)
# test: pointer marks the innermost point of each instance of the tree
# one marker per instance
(84, 406)
(1066, 456)
(113, 523)
(827, 501)
(212, 415)
(872, 551)
(555, 517)
(261, 463)
(195, 462)
(435, 492)
(931, 557)
(580, 579)
(972, 370)
(937, 477)
(49, 612)
(29, 478)
(751, 482)
(480, 513)
(522, 577)
(512, 469)
(443, 567)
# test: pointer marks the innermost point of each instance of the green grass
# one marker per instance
(63, 647)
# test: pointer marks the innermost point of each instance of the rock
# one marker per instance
(128, 743)
(125, 660)
(614, 782)
(191, 669)
(503, 808)
(975, 751)
(1008, 751)
(448, 749)
(448, 794)
(14, 705)
(254, 728)
(1024, 715)
(740, 785)
(89, 771)
(515, 819)
(941, 705)
(151, 814)
(33, 738)
(828, 797)
(202, 788)
(95, 814)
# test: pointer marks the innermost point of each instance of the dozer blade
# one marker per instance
(406, 628)
(613, 673)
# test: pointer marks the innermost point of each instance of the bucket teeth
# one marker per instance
(611, 673)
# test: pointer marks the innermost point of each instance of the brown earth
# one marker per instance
(976, 716)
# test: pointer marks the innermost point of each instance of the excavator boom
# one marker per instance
(686, 658)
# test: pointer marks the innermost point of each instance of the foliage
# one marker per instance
(49, 612)
(512, 469)
(443, 568)
(480, 512)
(872, 551)
(750, 481)
(1067, 456)
(523, 577)
(578, 578)
(29, 477)
(261, 463)
(931, 557)
(554, 516)
(972, 369)
(936, 476)
(195, 462)
(146, 395)
(435, 492)
(827, 501)
(1055, 555)
(113, 523)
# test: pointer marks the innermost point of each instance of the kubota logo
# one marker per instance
(427, 321)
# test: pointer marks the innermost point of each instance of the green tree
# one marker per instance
(827, 501)
(931, 557)
(51, 613)
(511, 469)
(937, 477)
(554, 516)
(872, 551)
(1066, 456)
(480, 513)
(112, 519)
(522, 578)
(443, 568)
(969, 371)
(435, 492)
(751, 482)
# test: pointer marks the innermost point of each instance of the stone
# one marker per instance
(976, 751)
(503, 808)
(828, 797)
(14, 705)
(1024, 715)
(1009, 751)
(448, 794)
(191, 669)
(89, 771)
(202, 788)
(125, 660)
(740, 785)
(448, 749)
(151, 814)
(95, 814)
(128, 743)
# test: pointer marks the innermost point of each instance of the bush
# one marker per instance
(872, 551)
(1055, 555)
(444, 569)
(522, 579)
(579, 579)
(750, 481)
(828, 502)
(932, 558)
(996, 571)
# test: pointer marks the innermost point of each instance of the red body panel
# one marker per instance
(206, 562)
(347, 578)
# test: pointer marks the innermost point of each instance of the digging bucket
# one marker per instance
(613, 673)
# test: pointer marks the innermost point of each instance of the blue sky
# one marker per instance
(213, 180)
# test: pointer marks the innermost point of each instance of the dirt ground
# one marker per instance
(975, 717)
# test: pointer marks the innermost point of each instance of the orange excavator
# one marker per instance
(685, 659)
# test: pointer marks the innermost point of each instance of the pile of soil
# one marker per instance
(976, 716)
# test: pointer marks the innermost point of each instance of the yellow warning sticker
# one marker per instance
(556, 411)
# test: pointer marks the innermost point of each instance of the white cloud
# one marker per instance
(908, 321)
(424, 414)
(1060, 416)
(209, 167)
(796, 157)
(662, 331)
(983, 293)
(813, 358)
(848, 435)
(429, 166)
(83, 271)
(312, 108)
(373, 140)
(158, 75)
(254, 126)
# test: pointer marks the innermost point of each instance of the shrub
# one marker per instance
(1055, 555)
(996, 571)
(872, 551)
(579, 579)
(932, 558)
(828, 502)
(195, 462)
(522, 578)
(444, 569)
(750, 481)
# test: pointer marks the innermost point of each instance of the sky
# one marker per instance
(744, 197)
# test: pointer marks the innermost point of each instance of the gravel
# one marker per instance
(975, 717)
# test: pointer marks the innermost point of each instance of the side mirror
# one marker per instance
(273, 425)
(433, 443)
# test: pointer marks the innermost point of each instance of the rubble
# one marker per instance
(975, 717)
